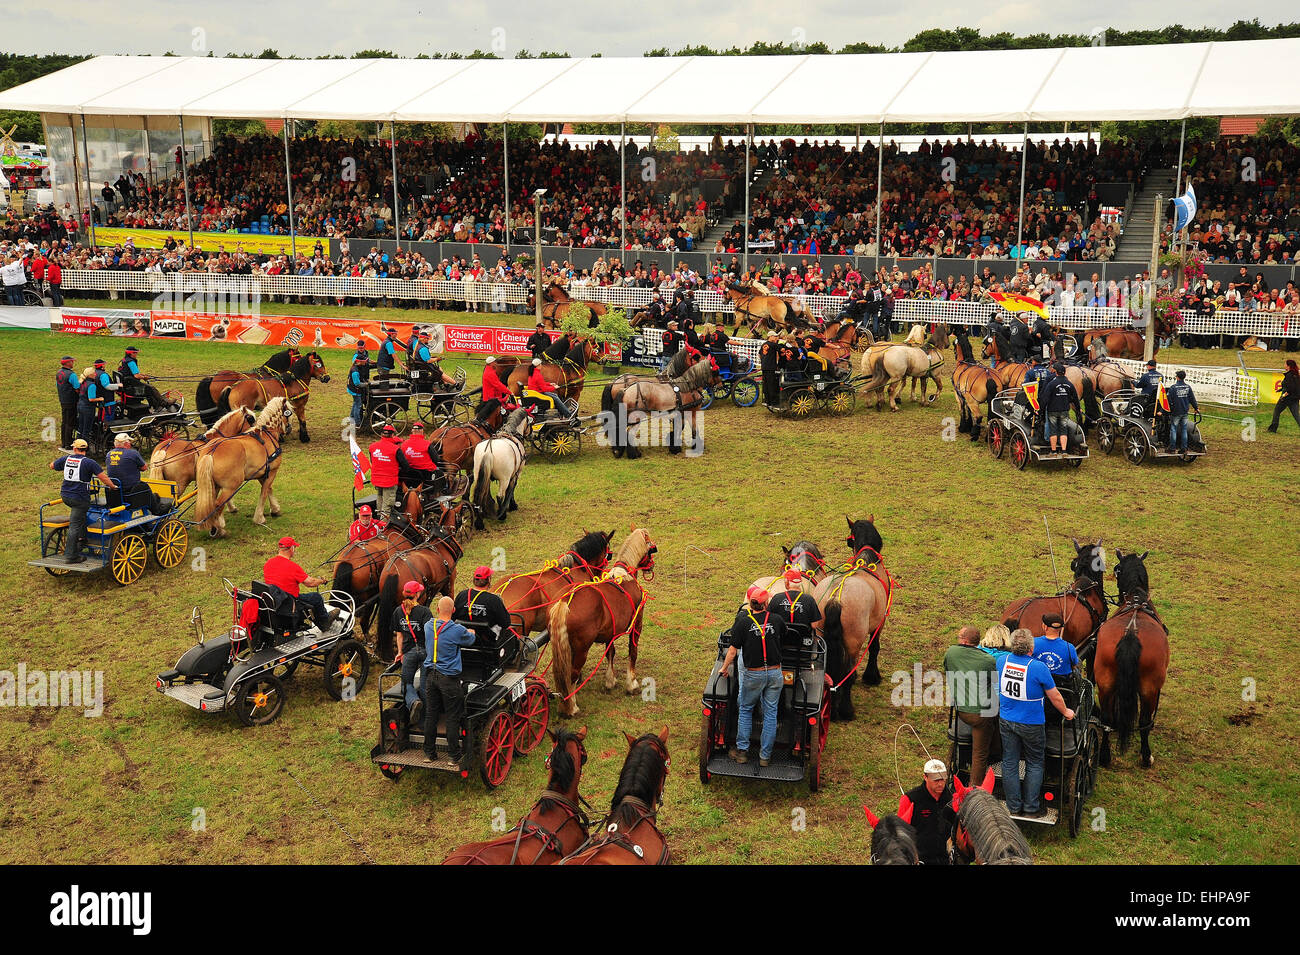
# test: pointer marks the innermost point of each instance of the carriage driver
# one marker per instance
(756, 639)
(496, 394)
(387, 362)
(478, 604)
(124, 465)
(932, 815)
(415, 464)
(284, 573)
(423, 360)
(137, 384)
(1149, 387)
(538, 392)
(365, 527)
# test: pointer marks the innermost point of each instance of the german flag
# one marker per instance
(1162, 399)
(1021, 303)
(1031, 392)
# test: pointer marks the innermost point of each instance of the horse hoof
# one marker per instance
(871, 679)
(304, 437)
(501, 518)
(514, 506)
(634, 686)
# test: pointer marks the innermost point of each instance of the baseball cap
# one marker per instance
(793, 575)
(132, 350)
(423, 335)
(756, 594)
(935, 767)
(364, 510)
(388, 429)
(80, 444)
(413, 588)
(489, 359)
(1052, 620)
(418, 426)
(482, 573)
(536, 361)
(288, 542)
(98, 362)
(1151, 363)
(67, 360)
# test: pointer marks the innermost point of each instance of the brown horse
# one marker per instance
(454, 444)
(601, 611)
(1108, 377)
(357, 567)
(629, 400)
(556, 303)
(1082, 605)
(1125, 342)
(761, 311)
(1010, 374)
(554, 827)
(629, 835)
(854, 601)
(225, 466)
(568, 374)
(841, 339)
(231, 389)
(1131, 662)
(530, 596)
(432, 564)
(175, 458)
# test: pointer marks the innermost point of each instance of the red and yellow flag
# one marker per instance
(1020, 303)
(1162, 398)
(1031, 392)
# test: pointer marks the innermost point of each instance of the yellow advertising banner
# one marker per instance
(207, 241)
(1270, 384)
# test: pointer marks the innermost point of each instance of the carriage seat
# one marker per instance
(488, 655)
(279, 615)
(1077, 693)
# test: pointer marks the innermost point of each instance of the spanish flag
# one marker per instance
(1021, 303)
(1031, 392)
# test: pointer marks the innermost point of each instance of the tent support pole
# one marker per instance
(505, 175)
(90, 189)
(1178, 175)
(744, 239)
(288, 188)
(622, 193)
(397, 201)
(1020, 224)
(185, 180)
(880, 178)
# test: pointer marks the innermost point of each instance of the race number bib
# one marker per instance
(1013, 680)
(72, 469)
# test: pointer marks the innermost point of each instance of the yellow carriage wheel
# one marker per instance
(129, 557)
(802, 403)
(170, 543)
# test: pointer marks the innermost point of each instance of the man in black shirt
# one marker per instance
(756, 639)
(538, 341)
(769, 353)
(479, 604)
(932, 815)
(794, 606)
(408, 622)
(1058, 398)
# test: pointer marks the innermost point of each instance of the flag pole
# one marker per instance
(1148, 346)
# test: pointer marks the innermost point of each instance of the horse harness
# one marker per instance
(550, 838)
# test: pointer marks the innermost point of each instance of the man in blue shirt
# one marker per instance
(106, 388)
(1148, 385)
(124, 467)
(129, 371)
(388, 353)
(1181, 400)
(78, 471)
(357, 379)
(1057, 654)
(1023, 684)
(443, 692)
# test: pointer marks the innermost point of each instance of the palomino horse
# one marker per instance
(454, 444)
(628, 835)
(803, 556)
(568, 374)
(1010, 374)
(761, 311)
(432, 564)
(627, 401)
(226, 466)
(893, 840)
(985, 833)
(889, 365)
(175, 458)
(530, 596)
(556, 303)
(1107, 377)
(974, 383)
(358, 565)
(1132, 660)
(230, 389)
(601, 611)
(554, 827)
(1082, 605)
(854, 601)
(501, 459)
(1125, 342)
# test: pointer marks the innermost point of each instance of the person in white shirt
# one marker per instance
(15, 278)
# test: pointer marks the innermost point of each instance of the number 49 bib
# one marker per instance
(1013, 680)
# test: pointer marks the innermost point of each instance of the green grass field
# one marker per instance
(963, 532)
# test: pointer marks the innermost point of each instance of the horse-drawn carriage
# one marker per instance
(420, 393)
(803, 715)
(559, 438)
(507, 708)
(801, 393)
(1070, 761)
(1124, 421)
(738, 381)
(134, 416)
(118, 537)
(1015, 424)
(243, 671)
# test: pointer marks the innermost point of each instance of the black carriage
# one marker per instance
(119, 537)
(802, 393)
(507, 709)
(418, 394)
(1015, 426)
(244, 670)
(739, 383)
(134, 416)
(803, 715)
(1126, 424)
(1070, 761)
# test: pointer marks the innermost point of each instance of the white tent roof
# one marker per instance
(1254, 77)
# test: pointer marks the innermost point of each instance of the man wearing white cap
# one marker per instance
(932, 815)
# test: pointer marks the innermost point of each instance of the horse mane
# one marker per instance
(513, 423)
(590, 547)
(695, 377)
(578, 353)
(993, 833)
(893, 842)
(916, 336)
(642, 771)
(1131, 577)
(633, 550)
(563, 766)
(224, 420)
(866, 535)
(276, 406)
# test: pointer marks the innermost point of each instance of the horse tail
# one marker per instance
(343, 577)
(557, 620)
(203, 397)
(206, 501)
(608, 408)
(837, 661)
(155, 472)
(1091, 410)
(384, 626)
(1128, 654)
(483, 478)
(223, 403)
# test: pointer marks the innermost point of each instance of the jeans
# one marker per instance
(412, 661)
(1178, 432)
(85, 420)
(443, 693)
(1285, 404)
(756, 686)
(14, 294)
(1027, 741)
(317, 605)
(76, 525)
(357, 401)
(56, 294)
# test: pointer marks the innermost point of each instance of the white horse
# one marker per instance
(499, 458)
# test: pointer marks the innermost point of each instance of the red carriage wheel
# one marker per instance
(997, 439)
(497, 749)
(1019, 451)
(532, 716)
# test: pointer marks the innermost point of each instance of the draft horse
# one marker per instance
(889, 365)
(556, 303)
(974, 383)
(1082, 605)
(568, 374)
(530, 596)
(432, 564)
(501, 459)
(358, 566)
(1125, 342)
(627, 401)
(803, 556)
(893, 840)
(761, 311)
(984, 832)
(226, 466)
(176, 458)
(231, 389)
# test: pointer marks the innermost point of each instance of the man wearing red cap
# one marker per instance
(365, 527)
(792, 605)
(478, 604)
(756, 639)
(68, 384)
(384, 470)
(408, 623)
(283, 572)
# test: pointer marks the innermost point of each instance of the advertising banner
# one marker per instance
(1270, 384)
(125, 323)
(207, 241)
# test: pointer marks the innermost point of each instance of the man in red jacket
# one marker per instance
(539, 392)
(496, 394)
(384, 469)
(54, 275)
(415, 464)
(365, 527)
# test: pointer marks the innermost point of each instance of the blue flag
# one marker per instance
(1184, 209)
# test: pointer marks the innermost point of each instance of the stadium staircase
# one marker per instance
(720, 227)
(1135, 244)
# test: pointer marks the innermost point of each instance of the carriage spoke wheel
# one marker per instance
(1019, 451)
(997, 438)
(706, 747)
(129, 557)
(744, 393)
(561, 444)
(346, 667)
(53, 546)
(1106, 436)
(532, 716)
(1135, 445)
(258, 701)
(802, 403)
(1075, 791)
(842, 402)
(497, 749)
(464, 523)
(706, 399)
(387, 412)
(170, 543)
(819, 741)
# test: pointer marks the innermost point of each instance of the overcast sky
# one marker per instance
(409, 27)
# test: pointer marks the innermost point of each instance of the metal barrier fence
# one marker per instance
(174, 287)
(1224, 386)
